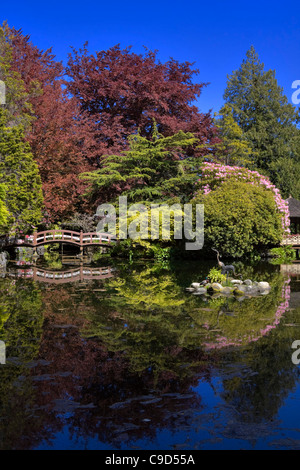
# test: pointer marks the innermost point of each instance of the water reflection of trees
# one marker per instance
(94, 380)
(145, 313)
(116, 360)
(267, 374)
(236, 322)
(21, 323)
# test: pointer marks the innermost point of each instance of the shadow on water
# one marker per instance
(134, 361)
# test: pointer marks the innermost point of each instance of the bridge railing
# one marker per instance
(68, 236)
(56, 236)
(81, 273)
(96, 237)
(292, 239)
(292, 269)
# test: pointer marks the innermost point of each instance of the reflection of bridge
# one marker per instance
(291, 269)
(81, 273)
(67, 236)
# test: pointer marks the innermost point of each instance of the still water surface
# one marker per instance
(134, 361)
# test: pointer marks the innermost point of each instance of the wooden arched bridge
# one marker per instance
(80, 239)
(81, 273)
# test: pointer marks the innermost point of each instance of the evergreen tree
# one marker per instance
(263, 113)
(234, 148)
(20, 174)
(152, 169)
(287, 172)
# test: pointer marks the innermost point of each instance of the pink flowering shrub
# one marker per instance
(214, 174)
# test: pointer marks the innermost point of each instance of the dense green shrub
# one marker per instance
(283, 254)
(19, 172)
(240, 218)
(215, 275)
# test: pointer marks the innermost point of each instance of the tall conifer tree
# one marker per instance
(267, 119)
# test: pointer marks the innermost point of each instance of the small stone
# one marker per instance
(263, 285)
(236, 281)
(227, 290)
(200, 291)
(239, 291)
(216, 286)
(216, 295)
(245, 288)
(264, 292)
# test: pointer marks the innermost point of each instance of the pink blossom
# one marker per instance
(220, 172)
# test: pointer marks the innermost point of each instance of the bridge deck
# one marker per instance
(291, 269)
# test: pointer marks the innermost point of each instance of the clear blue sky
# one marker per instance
(213, 34)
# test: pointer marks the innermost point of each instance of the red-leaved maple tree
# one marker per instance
(120, 92)
(90, 108)
(54, 135)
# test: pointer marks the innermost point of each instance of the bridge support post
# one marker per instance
(81, 244)
(35, 253)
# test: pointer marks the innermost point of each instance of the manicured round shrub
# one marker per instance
(240, 218)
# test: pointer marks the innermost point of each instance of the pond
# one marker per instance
(126, 358)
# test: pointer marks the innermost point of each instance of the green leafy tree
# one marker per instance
(263, 113)
(19, 172)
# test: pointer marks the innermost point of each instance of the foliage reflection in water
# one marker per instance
(135, 362)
